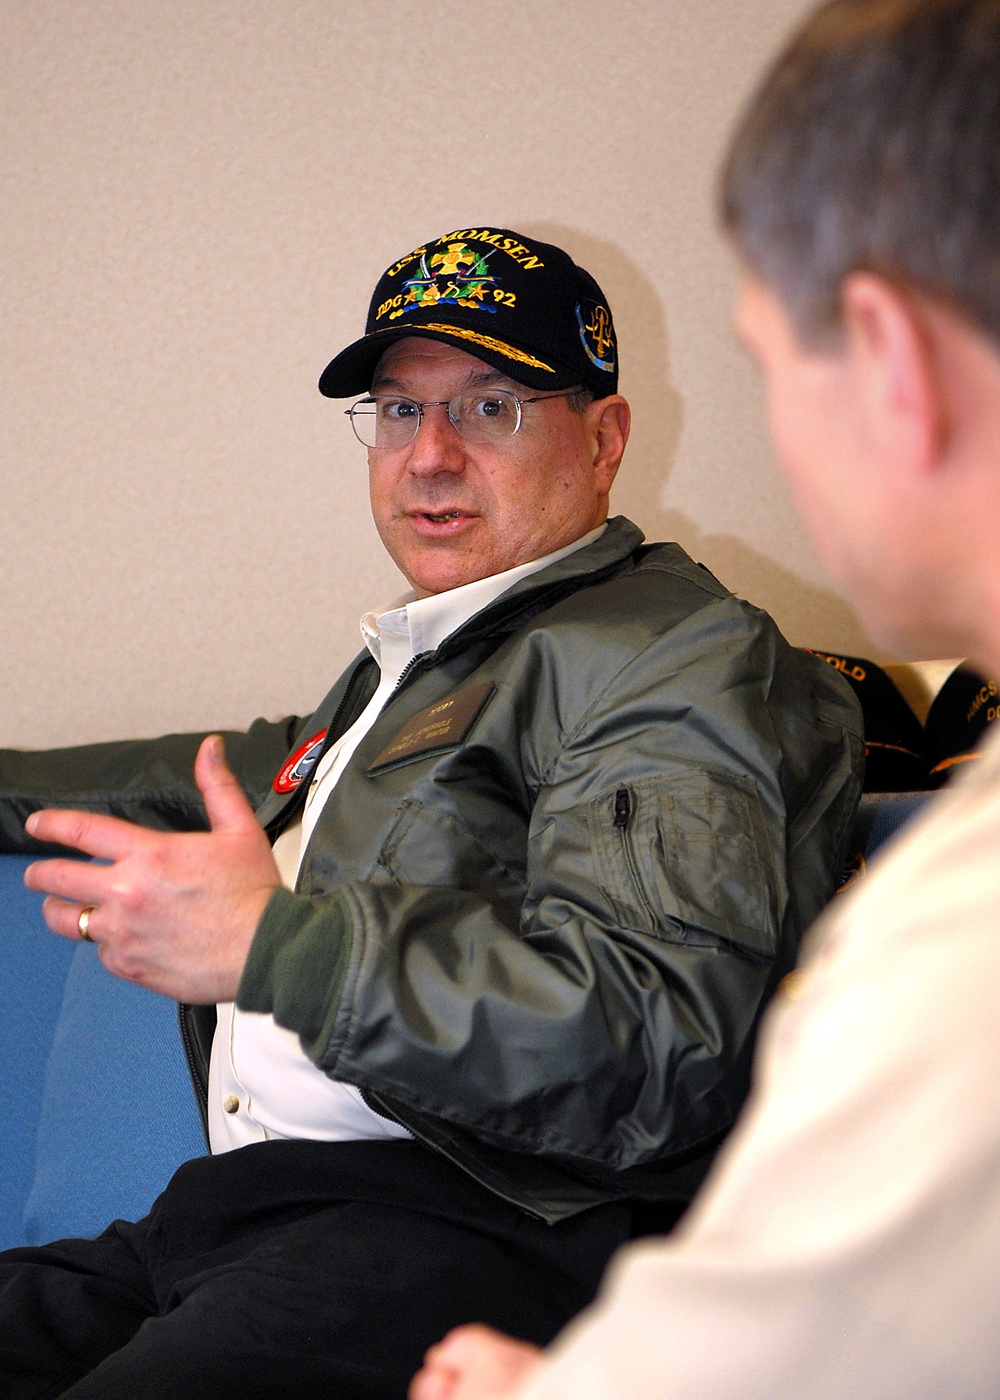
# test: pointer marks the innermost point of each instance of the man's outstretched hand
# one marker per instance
(474, 1363)
(174, 911)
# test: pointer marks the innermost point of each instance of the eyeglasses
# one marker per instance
(387, 422)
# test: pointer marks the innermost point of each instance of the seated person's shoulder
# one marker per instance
(661, 594)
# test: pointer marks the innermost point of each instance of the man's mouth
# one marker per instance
(442, 524)
(440, 517)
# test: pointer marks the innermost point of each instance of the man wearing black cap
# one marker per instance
(487, 313)
(538, 860)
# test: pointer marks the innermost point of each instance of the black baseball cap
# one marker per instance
(522, 306)
(961, 713)
(894, 739)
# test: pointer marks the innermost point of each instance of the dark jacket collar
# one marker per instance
(604, 557)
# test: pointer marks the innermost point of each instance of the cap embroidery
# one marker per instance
(457, 277)
(523, 256)
(457, 257)
(596, 334)
(488, 342)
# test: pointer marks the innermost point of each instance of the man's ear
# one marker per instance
(901, 390)
(609, 421)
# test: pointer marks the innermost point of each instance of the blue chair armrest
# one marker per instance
(881, 815)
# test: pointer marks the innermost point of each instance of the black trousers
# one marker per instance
(290, 1269)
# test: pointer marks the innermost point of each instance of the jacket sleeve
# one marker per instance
(607, 1018)
(149, 781)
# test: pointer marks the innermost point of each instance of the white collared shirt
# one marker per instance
(262, 1085)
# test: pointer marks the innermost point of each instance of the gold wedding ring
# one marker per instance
(83, 922)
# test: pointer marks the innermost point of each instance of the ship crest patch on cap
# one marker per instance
(597, 334)
(456, 276)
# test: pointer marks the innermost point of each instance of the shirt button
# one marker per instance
(231, 1104)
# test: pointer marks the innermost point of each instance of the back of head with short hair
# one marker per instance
(874, 143)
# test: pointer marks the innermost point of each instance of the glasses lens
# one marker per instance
(478, 415)
(385, 422)
(485, 416)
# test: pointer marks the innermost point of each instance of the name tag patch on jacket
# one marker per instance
(441, 726)
(300, 764)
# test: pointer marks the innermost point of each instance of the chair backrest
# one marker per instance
(95, 1101)
(879, 817)
(34, 968)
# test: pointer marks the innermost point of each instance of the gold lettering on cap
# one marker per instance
(521, 255)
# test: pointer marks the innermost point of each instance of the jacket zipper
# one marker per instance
(621, 819)
(197, 1070)
(347, 700)
(403, 676)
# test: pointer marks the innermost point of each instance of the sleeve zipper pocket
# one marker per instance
(621, 819)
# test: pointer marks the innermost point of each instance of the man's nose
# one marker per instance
(438, 446)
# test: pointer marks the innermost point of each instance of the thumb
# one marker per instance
(225, 802)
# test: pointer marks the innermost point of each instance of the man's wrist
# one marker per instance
(297, 962)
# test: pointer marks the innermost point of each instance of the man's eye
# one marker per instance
(397, 410)
(493, 408)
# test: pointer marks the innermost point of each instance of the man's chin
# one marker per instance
(443, 571)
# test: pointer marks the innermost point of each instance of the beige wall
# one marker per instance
(197, 197)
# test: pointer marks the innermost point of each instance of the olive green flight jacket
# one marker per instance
(545, 905)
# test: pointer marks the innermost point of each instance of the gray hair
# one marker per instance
(873, 143)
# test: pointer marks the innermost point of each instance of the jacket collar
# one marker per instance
(605, 556)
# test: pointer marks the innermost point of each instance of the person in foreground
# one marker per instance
(539, 859)
(847, 1242)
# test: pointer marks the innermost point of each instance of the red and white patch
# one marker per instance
(300, 764)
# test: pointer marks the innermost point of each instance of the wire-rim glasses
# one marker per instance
(390, 421)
